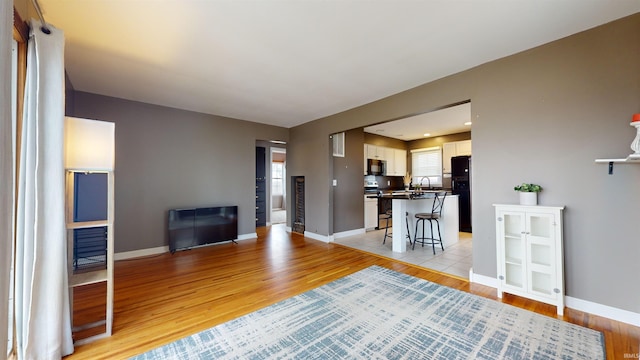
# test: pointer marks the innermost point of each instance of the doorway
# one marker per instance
(443, 133)
(278, 186)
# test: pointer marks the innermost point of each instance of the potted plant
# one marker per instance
(528, 193)
(407, 181)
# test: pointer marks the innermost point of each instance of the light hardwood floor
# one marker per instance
(159, 299)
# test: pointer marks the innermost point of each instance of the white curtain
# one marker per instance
(6, 168)
(43, 322)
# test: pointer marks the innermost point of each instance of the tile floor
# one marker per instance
(454, 260)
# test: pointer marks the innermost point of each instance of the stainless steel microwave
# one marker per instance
(375, 167)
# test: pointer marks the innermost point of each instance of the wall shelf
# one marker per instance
(631, 159)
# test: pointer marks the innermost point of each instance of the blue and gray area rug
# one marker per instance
(378, 313)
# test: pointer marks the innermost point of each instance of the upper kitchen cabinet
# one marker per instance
(451, 149)
(395, 159)
(375, 152)
(399, 163)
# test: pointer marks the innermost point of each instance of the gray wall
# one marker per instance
(541, 116)
(348, 200)
(168, 158)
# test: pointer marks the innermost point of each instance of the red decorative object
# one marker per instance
(635, 117)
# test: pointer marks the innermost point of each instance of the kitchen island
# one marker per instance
(412, 203)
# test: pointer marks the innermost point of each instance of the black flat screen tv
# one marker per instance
(201, 226)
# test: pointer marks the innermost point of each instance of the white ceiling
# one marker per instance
(287, 62)
(446, 121)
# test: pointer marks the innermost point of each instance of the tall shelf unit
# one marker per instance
(94, 267)
(530, 252)
(89, 163)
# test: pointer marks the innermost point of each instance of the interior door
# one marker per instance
(261, 186)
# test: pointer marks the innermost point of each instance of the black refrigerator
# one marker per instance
(461, 186)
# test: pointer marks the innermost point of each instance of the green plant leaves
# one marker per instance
(524, 187)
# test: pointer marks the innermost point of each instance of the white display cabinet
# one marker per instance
(529, 252)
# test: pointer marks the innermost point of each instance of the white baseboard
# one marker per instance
(482, 279)
(140, 253)
(590, 307)
(323, 238)
(247, 236)
(606, 311)
(348, 233)
(331, 238)
(164, 249)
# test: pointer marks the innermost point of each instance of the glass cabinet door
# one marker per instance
(514, 248)
(541, 253)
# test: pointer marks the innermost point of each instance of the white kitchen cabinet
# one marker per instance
(448, 151)
(451, 149)
(529, 252)
(370, 213)
(390, 162)
(375, 152)
(396, 162)
(463, 147)
(400, 164)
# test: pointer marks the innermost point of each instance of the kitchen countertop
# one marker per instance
(408, 195)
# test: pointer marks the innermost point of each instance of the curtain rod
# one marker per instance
(44, 27)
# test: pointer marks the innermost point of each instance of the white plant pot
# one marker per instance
(528, 198)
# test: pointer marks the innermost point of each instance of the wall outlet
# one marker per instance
(335, 182)
(388, 182)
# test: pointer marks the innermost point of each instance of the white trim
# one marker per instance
(323, 238)
(606, 311)
(164, 249)
(344, 234)
(247, 236)
(287, 229)
(590, 307)
(425, 149)
(140, 253)
(482, 279)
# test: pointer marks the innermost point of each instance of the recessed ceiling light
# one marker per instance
(468, 123)
(427, 134)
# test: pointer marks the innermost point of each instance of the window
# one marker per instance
(426, 166)
(338, 144)
(277, 178)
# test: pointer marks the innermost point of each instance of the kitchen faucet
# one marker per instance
(428, 181)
